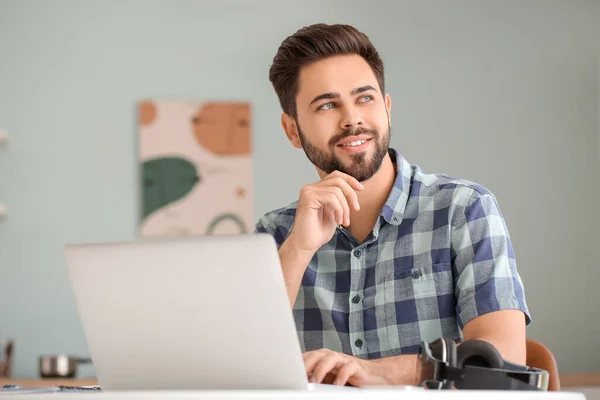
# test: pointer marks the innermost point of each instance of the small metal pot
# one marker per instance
(61, 366)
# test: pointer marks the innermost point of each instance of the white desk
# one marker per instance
(590, 392)
(375, 394)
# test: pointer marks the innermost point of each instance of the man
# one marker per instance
(378, 255)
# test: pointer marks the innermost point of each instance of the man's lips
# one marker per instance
(353, 139)
(355, 146)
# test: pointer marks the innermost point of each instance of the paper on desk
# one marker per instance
(9, 390)
(12, 391)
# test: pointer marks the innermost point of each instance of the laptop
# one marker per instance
(193, 313)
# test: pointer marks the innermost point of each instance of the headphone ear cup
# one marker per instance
(478, 353)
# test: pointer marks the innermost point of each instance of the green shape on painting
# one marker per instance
(166, 180)
(225, 217)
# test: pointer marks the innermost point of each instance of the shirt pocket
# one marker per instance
(414, 294)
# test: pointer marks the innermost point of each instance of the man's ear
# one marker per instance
(388, 107)
(291, 130)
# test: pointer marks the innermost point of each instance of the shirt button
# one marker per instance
(356, 299)
(357, 253)
(395, 219)
(416, 274)
(358, 343)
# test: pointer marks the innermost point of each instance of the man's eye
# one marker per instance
(326, 106)
(366, 98)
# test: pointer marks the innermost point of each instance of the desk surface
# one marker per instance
(301, 395)
(32, 383)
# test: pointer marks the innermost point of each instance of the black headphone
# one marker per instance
(475, 364)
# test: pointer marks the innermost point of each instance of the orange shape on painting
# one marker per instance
(223, 128)
(147, 112)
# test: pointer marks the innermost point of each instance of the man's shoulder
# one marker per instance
(462, 200)
(455, 190)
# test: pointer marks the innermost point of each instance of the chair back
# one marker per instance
(539, 356)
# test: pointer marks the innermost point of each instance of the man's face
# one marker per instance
(342, 121)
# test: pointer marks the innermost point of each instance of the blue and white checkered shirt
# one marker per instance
(439, 255)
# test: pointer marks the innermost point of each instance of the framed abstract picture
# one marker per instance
(196, 172)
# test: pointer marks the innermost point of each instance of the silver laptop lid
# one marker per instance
(193, 313)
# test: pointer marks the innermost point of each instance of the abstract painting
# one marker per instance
(196, 170)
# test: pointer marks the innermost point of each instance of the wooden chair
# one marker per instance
(539, 356)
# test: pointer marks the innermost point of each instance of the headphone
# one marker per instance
(474, 364)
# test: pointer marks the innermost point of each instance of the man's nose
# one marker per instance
(352, 118)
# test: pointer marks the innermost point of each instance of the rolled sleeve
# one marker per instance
(260, 228)
(269, 224)
(485, 269)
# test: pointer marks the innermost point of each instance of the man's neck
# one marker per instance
(372, 199)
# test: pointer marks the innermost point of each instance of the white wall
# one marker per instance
(504, 93)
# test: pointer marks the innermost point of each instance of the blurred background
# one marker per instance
(504, 93)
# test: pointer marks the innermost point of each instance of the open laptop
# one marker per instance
(195, 313)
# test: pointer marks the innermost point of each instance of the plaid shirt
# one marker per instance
(438, 256)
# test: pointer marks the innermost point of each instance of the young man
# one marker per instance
(378, 255)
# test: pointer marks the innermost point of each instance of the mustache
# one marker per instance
(352, 132)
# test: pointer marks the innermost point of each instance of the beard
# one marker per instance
(361, 168)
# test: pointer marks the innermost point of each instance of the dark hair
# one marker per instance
(313, 43)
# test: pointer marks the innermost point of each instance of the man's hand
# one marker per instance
(326, 366)
(323, 206)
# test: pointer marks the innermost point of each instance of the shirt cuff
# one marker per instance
(472, 311)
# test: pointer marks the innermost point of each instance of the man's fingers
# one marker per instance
(329, 378)
(324, 193)
(352, 181)
(331, 197)
(326, 365)
(348, 191)
(329, 200)
(345, 372)
(337, 216)
(338, 192)
(311, 359)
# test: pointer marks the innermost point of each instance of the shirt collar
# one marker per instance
(393, 209)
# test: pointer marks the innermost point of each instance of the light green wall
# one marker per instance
(503, 93)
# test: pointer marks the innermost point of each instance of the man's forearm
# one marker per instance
(406, 369)
(396, 370)
(293, 264)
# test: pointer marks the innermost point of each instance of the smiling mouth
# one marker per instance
(355, 143)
